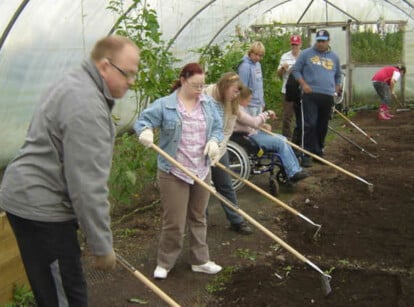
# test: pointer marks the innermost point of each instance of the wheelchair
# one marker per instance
(247, 159)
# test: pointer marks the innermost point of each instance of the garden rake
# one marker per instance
(146, 281)
(325, 278)
(271, 197)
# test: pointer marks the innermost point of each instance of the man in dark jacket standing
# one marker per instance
(59, 178)
(318, 72)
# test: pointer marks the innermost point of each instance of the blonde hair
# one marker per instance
(223, 84)
(110, 46)
(257, 47)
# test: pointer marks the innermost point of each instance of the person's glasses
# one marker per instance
(127, 75)
(196, 86)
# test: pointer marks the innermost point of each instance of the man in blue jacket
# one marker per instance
(318, 72)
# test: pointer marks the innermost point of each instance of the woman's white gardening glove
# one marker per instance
(146, 137)
(222, 150)
(212, 150)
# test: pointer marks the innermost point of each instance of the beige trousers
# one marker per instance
(182, 204)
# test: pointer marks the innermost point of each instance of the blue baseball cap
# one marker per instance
(322, 35)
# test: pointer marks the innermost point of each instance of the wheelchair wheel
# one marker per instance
(239, 163)
(274, 186)
(281, 177)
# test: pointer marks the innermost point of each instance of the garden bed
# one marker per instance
(366, 242)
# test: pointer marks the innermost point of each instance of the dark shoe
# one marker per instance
(306, 161)
(241, 228)
(318, 161)
(299, 176)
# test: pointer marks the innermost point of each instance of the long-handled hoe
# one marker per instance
(353, 143)
(370, 185)
(353, 124)
(326, 287)
(146, 281)
(271, 197)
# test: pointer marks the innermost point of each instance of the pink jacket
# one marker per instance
(247, 123)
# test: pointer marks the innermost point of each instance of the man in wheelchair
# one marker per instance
(249, 125)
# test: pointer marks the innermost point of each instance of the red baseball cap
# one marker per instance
(295, 40)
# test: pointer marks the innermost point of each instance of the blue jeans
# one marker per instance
(223, 185)
(278, 144)
(384, 92)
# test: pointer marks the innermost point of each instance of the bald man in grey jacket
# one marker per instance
(58, 179)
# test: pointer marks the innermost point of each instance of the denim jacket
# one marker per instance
(163, 114)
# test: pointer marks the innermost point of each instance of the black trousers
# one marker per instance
(52, 258)
(316, 114)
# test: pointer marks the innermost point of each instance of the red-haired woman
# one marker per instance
(190, 130)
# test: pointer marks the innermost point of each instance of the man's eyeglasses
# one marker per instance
(127, 75)
(196, 86)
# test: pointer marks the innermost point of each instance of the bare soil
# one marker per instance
(366, 242)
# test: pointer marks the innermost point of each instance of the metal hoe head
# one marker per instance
(326, 286)
(315, 235)
(325, 278)
(371, 188)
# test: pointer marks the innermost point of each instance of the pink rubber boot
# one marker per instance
(382, 115)
(387, 112)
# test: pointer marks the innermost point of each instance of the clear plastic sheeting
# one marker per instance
(42, 39)
(48, 38)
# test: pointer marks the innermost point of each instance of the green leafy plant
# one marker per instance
(371, 48)
(329, 271)
(344, 261)
(156, 73)
(287, 270)
(125, 232)
(246, 254)
(218, 60)
(22, 297)
(133, 167)
(219, 282)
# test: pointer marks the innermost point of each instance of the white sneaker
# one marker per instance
(209, 268)
(160, 273)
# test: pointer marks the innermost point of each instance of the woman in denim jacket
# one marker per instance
(190, 129)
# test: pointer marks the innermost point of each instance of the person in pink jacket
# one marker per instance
(268, 142)
(384, 82)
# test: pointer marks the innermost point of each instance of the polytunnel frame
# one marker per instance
(310, 28)
(198, 12)
(205, 6)
(10, 24)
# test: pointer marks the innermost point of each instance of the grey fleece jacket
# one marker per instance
(61, 172)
